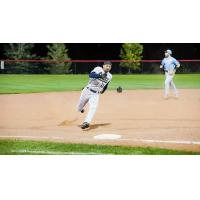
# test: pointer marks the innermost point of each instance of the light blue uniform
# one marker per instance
(169, 63)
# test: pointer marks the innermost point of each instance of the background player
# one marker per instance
(169, 65)
(98, 83)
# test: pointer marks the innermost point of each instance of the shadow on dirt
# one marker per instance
(67, 122)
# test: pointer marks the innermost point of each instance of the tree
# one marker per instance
(131, 52)
(58, 53)
(19, 51)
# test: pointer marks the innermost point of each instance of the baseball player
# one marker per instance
(98, 83)
(169, 65)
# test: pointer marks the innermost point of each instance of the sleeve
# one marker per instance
(176, 63)
(163, 62)
(95, 73)
(163, 65)
(97, 70)
(105, 88)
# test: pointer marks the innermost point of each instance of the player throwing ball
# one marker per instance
(169, 65)
(98, 83)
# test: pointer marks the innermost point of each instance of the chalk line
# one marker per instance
(121, 139)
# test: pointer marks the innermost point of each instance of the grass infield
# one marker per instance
(52, 83)
(24, 147)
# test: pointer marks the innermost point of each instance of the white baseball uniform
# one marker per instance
(91, 92)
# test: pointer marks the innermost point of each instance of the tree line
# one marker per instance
(58, 53)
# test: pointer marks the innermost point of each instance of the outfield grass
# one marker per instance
(48, 83)
(19, 147)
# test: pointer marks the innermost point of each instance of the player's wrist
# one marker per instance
(103, 75)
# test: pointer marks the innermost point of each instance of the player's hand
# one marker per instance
(103, 75)
(161, 66)
(171, 72)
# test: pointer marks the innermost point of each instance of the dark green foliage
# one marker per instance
(132, 52)
(19, 51)
(58, 53)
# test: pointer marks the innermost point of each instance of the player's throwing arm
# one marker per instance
(98, 83)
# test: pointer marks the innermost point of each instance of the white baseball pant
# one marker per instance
(169, 82)
(93, 99)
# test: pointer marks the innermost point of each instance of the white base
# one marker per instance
(107, 137)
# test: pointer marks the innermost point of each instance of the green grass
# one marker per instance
(154, 81)
(48, 83)
(20, 147)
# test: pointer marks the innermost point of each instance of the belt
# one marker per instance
(92, 90)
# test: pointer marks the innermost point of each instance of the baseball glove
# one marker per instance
(103, 75)
(119, 89)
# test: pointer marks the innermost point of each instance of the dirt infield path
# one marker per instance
(141, 117)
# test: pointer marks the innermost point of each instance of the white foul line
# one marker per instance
(54, 152)
(164, 141)
(30, 137)
(122, 139)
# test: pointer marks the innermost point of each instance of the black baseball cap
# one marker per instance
(107, 63)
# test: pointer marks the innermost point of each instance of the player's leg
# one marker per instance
(174, 88)
(93, 104)
(84, 98)
(167, 85)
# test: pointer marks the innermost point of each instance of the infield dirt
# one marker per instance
(141, 117)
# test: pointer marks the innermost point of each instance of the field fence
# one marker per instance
(85, 66)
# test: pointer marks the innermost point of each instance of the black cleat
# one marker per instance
(82, 111)
(85, 125)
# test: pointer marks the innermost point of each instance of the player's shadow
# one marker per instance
(95, 126)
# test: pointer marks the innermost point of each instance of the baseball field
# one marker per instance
(38, 116)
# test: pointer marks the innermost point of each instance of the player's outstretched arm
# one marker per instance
(105, 88)
(97, 75)
(162, 64)
(176, 63)
(94, 75)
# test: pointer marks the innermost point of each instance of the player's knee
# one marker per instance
(93, 107)
(78, 107)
